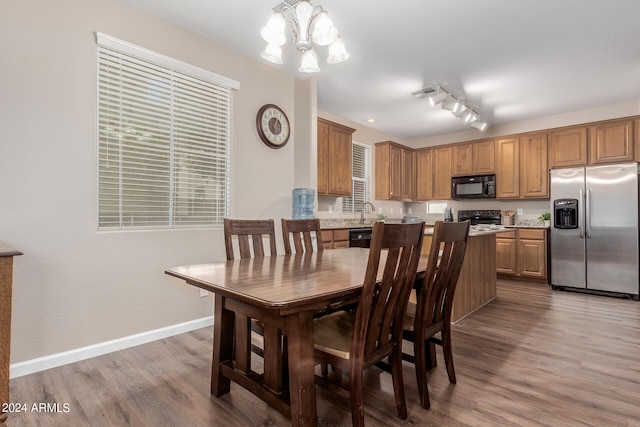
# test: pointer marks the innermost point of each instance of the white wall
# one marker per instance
(75, 286)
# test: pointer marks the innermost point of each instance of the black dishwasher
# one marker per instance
(360, 237)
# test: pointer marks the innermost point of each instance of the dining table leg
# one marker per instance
(223, 330)
(302, 392)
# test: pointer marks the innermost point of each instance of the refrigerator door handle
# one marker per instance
(587, 212)
(580, 210)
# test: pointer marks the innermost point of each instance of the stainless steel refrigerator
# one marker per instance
(594, 229)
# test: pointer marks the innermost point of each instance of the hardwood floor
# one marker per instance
(533, 357)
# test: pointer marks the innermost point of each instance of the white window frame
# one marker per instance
(352, 204)
(189, 140)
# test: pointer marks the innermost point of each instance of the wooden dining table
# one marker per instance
(282, 292)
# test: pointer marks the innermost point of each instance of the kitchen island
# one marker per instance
(6, 277)
(477, 283)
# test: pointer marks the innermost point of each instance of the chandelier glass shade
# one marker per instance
(310, 26)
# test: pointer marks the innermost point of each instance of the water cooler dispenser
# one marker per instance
(303, 201)
(565, 213)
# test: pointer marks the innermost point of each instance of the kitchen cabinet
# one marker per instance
(408, 175)
(462, 163)
(593, 144)
(568, 147)
(394, 172)
(534, 172)
(523, 253)
(424, 174)
(473, 158)
(522, 168)
(334, 159)
(442, 173)
(611, 142)
(506, 253)
(508, 168)
(484, 157)
(335, 238)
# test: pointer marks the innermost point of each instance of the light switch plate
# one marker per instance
(520, 211)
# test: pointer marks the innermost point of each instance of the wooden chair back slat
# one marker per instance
(300, 232)
(250, 234)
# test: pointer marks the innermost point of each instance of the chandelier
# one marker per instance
(310, 26)
(447, 101)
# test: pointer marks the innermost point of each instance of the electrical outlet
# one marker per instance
(400, 211)
(410, 210)
(520, 211)
(203, 293)
(391, 211)
(380, 211)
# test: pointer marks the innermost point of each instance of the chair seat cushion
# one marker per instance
(333, 333)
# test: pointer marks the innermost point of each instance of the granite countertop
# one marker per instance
(476, 230)
(334, 223)
(7, 251)
(326, 224)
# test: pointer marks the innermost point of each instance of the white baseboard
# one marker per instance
(71, 356)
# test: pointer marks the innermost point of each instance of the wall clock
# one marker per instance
(273, 126)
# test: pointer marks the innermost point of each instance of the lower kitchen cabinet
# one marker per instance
(506, 253)
(335, 238)
(523, 254)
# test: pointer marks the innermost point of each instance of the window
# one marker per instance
(360, 179)
(163, 140)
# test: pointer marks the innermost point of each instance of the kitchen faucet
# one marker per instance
(373, 208)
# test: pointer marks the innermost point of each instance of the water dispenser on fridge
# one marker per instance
(565, 213)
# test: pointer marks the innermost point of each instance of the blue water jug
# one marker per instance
(303, 200)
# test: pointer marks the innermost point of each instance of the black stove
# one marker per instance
(480, 216)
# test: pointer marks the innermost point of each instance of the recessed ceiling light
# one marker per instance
(371, 120)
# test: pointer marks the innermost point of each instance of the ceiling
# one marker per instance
(511, 60)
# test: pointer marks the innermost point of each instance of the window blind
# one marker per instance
(360, 178)
(163, 144)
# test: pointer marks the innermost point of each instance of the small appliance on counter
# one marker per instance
(448, 214)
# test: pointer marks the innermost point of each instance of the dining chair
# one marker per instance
(431, 314)
(250, 234)
(355, 340)
(301, 232)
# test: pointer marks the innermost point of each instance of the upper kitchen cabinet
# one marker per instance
(394, 174)
(334, 159)
(442, 173)
(462, 163)
(611, 142)
(522, 169)
(424, 174)
(484, 157)
(508, 168)
(474, 158)
(534, 170)
(408, 175)
(568, 147)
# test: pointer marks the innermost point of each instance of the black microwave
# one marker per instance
(473, 187)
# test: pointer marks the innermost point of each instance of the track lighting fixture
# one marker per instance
(459, 108)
